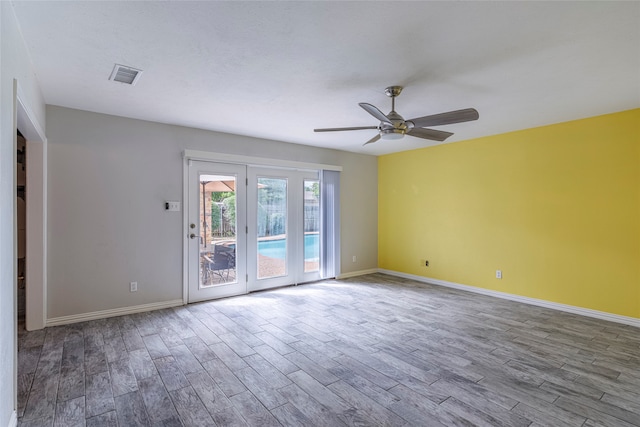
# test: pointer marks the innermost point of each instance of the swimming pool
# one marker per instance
(277, 248)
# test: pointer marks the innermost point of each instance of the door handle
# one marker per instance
(192, 236)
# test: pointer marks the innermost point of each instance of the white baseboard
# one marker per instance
(13, 421)
(356, 273)
(102, 314)
(632, 321)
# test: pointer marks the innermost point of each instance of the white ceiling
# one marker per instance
(278, 70)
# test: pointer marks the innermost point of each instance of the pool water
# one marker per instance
(277, 248)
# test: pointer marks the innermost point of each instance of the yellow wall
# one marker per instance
(556, 208)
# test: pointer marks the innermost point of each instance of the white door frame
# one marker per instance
(188, 155)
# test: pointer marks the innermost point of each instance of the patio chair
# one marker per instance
(221, 265)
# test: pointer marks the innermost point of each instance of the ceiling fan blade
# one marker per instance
(375, 112)
(457, 116)
(339, 129)
(372, 140)
(433, 134)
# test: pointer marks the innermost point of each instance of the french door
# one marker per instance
(284, 227)
(216, 230)
(250, 229)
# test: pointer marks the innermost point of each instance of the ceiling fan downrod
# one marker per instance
(392, 92)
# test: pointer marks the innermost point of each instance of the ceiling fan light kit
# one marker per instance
(394, 126)
(392, 134)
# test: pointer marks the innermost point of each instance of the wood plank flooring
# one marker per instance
(371, 350)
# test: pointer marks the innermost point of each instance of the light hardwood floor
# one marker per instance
(371, 350)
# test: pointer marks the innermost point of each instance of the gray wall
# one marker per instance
(14, 65)
(107, 179)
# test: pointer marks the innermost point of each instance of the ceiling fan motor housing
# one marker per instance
(396, 127)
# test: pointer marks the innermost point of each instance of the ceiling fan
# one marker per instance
(393, 126)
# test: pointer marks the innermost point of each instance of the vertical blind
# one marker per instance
(330, 225)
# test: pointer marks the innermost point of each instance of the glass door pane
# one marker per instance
(311, 220)
(218, 229)
(272, 227)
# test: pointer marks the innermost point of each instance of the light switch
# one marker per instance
(172, 206)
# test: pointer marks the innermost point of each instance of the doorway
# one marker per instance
(35, 197)
(21, 221)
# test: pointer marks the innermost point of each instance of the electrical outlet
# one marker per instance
(354, 258)
(133, 286)
(426, 263)
(498, 274)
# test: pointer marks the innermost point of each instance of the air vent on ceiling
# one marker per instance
(124, 74)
